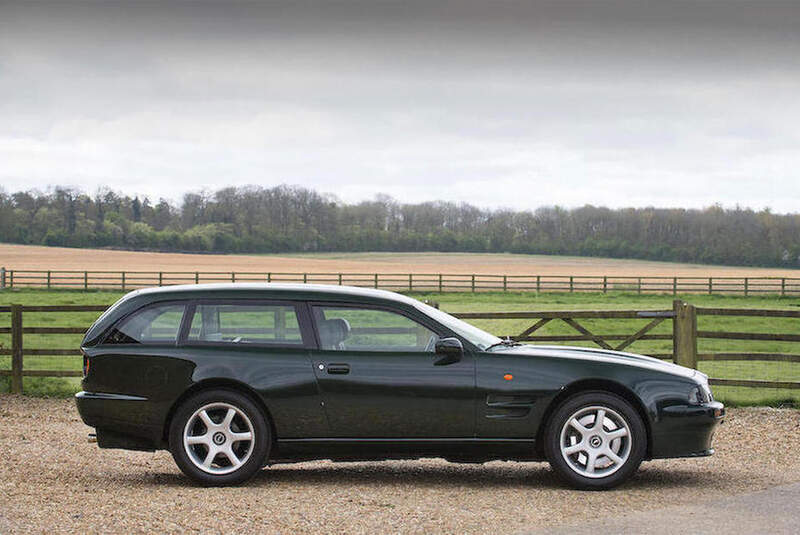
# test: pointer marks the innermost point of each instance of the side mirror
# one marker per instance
(449, 350)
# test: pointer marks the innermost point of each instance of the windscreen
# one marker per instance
(479, 338)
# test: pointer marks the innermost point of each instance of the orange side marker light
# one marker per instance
(508, 377)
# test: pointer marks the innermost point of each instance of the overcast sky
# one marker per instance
(498, 104)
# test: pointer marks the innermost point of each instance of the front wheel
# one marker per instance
(595, 440)
(219, 437)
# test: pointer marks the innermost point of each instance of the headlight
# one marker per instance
(700, 394)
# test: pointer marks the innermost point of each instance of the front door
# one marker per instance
(379, 377)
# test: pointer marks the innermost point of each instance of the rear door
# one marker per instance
(263, 344)
(379, 378)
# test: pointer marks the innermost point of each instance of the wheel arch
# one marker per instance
(211, 384)
(586, 385)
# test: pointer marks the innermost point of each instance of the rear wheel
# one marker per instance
(595, 440)
(219, 437)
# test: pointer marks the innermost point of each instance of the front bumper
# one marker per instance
(686, 430)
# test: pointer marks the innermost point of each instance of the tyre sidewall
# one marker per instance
(261, 430)
(587, 399)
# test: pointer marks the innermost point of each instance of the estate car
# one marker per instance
(231, 378)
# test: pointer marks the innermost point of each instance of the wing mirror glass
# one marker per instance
(449, 350)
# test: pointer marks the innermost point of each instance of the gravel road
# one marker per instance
(775, 511)
(53, 481)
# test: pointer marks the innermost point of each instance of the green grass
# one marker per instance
(50, 386)
(485, 302)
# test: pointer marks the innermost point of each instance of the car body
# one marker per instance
(346, 373)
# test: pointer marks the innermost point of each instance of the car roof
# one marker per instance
(277, 290)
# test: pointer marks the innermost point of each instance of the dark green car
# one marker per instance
(234, 377)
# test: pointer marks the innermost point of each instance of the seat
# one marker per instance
(333, 333)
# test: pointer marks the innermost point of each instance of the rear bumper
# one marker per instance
(686, 430)
(98, 408)
(122, 421)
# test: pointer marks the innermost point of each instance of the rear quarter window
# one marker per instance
(156, 324)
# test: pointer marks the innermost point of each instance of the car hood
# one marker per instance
(603, 355)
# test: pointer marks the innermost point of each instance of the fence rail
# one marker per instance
(684, 336)
(418, 282)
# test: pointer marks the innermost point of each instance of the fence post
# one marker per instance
(473, 282)
(16, 349)
(269, 276)
(538, 283)
(160, 278)
(440, 283)
(123, 281)
(376, 280)
(570, 284)
(48, 279)
(639, 286)
(305, 278)
(85, 280)
(710, 285)
(684, 334)
(674, 285)
(605, 283)
(783, 287)
(197, 277)
(410, 282)
(233, 276)
(746, 284)
(340, 279)
(505, 283)
(2, 278)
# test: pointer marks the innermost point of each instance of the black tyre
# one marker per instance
(595, 440)
(219, 437)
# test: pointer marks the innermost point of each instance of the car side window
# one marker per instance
(157, 324)
(244, 323)
(368, 329)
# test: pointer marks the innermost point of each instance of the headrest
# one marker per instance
(333, 331)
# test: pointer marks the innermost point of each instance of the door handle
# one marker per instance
(338, 369)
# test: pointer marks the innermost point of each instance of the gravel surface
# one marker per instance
(53, 481)
(775, 511)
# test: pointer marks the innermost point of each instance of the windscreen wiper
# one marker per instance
(507, 342)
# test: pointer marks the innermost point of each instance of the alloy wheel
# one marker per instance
(595, 441)
(218, 438)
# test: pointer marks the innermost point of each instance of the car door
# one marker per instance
(380, 378)
(262, 344)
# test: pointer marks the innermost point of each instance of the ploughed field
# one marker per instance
(54, 481)
(33, 257)
(482, 302)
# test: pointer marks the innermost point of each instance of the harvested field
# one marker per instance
(55, 482)
(29, 257)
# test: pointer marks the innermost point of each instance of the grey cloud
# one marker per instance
(501, 104)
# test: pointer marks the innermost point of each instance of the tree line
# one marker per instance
(294, 219)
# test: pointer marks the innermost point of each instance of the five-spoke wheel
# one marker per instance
(595, 440)
(219, 437)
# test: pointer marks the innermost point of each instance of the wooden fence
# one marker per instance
(413, 282)
(684, 336)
